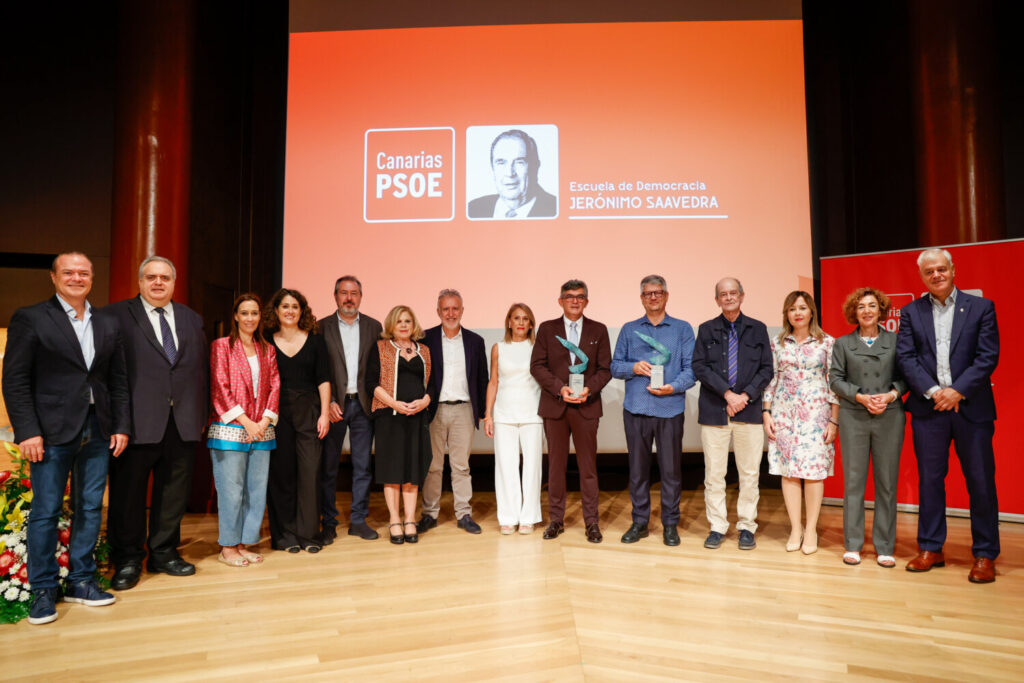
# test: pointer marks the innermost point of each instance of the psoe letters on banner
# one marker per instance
(410, 185)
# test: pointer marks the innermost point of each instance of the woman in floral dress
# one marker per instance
(801, 416)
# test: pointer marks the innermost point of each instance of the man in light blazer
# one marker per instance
(66, 389)
(349, 336)
(168, 374)
(458, 396)
(947, 349)
(566, 415)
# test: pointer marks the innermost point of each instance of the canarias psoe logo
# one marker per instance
(409, 174)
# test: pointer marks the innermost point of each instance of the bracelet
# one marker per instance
(833, 422)
(766, 410)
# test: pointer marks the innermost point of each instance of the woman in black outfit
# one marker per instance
(399, 370)
(305, 395)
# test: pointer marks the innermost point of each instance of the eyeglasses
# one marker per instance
(653, 295)
(574, 297)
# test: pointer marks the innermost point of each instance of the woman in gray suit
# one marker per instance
(867, 380)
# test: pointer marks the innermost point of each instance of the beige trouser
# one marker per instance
(451, 431)
(748, 445)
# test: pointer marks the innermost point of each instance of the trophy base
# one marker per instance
(657, 376)
(576, 384)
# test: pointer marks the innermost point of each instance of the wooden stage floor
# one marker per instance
(463, 607)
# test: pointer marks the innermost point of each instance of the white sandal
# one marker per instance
(851, 557)
(887, 561)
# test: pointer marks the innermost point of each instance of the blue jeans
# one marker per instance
(241, 480)
(85, 459)
(360, 430)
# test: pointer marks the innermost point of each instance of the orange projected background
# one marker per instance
(681, 150)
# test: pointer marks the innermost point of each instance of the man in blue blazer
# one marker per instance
(67, 392)
(458, 394)
(947, 348)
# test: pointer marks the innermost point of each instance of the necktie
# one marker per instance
(733, 351)
(574, 337)
(511, 213)
(168, 338)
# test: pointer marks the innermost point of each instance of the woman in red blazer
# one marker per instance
(245, 389)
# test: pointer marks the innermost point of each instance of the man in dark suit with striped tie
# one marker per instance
(168, 371)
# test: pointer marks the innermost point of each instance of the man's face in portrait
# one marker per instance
(511, 171)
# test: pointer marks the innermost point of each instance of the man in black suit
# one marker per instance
(458, 393)
(515, 162)
(349, 336)
(65, 386)
(168, 371)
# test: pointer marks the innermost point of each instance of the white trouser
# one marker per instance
(748, 445)
(518, 503)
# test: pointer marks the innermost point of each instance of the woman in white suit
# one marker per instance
(511, 419)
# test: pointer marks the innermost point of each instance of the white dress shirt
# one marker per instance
(942, 318)
(350, 344)
(573, 360)
(154, 319)
(83, 330)
(455, 385)
(501, 209)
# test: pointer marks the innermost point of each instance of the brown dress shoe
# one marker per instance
(553, 530)
(925, 560)
(983, 571)
(594, 533)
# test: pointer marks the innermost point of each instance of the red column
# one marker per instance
(959, 153)
(152, 141)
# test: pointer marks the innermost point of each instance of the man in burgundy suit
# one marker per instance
(565, 414)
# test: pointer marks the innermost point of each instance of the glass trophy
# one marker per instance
(576, 383)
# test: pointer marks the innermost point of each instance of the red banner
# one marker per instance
(988, 270)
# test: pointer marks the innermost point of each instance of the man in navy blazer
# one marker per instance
(947, 348)
(458, 394)
(168, 373)
(66, 389)
(730, 409)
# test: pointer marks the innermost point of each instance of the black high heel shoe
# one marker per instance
(413, 537)
(399, 539)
